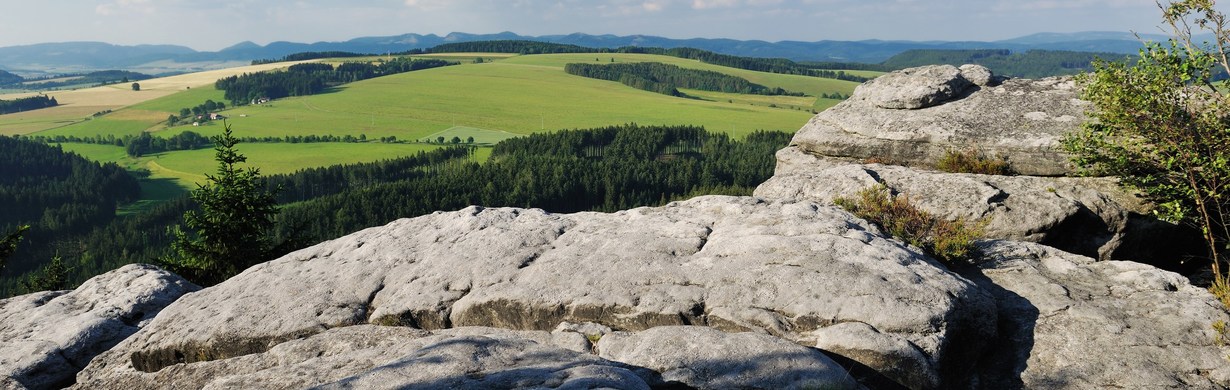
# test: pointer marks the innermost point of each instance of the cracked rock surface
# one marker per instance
(913, 116)
(731, 263)
(47, 337)
(369, 356)
(1088, 216)
(1070, 322)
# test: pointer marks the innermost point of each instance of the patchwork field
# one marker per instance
(813, 86)
(77, 105)
(505, 96)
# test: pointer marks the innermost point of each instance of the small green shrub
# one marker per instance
(950, 242)
(973, 161)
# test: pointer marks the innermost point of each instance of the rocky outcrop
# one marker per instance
(781, 290)
(734, 264)
(912, 117)
(368, 356)
(1087, 216)
(1067, 321)
(49, 336)
(706, 358)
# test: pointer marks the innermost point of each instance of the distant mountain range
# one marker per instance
(84, 56)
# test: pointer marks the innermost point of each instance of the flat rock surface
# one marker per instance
(368, 356)
(736, 264)
(1069, 322)
(46, 337)
(1019, 119)
(706, 358)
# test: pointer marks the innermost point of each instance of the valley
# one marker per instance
(504, 96)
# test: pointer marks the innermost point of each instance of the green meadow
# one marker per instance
(498, 96)
(813, 86)
(512, 96)
(170, 174)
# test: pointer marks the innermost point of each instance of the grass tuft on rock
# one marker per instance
(950, 242)
(973, 161)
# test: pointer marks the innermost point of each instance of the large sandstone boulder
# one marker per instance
(913, 116)
(735, 264)
(46, 337)
(1070, 322)
(915, 88)
(1088, 216)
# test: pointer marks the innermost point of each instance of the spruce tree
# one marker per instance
(8, 244)
(231, 231)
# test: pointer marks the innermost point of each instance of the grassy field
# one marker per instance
(174, 173)
(813, 86)
(77, 105)
(492, 101)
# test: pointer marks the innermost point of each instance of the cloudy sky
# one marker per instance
(215, 24)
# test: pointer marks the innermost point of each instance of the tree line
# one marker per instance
(1029, 64)
(58, 194)
(310, 55)
(312, 78)
(605, 169)
(145, 143)
(770, 65)
(27, 104)
(199, 112)
(666, 79)
(102, 77)
(7, 78)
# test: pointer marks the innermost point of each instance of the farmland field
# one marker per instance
(172, 174)
(813, 86)
(77, 105)
(512, 96)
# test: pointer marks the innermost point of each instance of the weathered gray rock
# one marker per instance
(367, 356)
(914, 88)
(46, 337)
(705, 358)
(1021, 120)
(979, 75)
(1088, 216)
(1068, 322)
(478, 362)
(736, 264)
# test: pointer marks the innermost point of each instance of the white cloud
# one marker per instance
(653, 6)
(707, 4)
(427, 5)
(125, 7)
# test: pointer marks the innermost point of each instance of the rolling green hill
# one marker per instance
(505, 96)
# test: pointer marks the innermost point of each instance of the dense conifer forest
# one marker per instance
(27, 104)
(667, 79)
(312, 78)
(57, 193)
(7, 78)
(605, 169)
(771, 65)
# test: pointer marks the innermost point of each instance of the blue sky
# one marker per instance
(214, 24)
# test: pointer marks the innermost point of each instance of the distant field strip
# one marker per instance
(77, 105)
